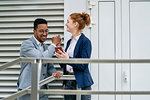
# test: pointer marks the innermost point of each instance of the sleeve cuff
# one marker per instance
(53, 44)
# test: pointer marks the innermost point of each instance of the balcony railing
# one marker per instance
(34, 89)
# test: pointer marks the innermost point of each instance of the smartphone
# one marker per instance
(60, 48)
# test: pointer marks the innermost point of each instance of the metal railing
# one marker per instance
(36, 68)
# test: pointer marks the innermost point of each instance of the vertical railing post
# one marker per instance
(35, 79)
(79, 95)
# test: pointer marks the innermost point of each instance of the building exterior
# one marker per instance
(120, 29)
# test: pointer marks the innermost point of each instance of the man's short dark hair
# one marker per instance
(39, 21)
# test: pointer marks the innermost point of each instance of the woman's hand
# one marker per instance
(61, 54)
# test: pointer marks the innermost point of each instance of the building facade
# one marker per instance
(120, 29)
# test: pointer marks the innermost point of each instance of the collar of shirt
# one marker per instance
(76, 38)
(38, 43)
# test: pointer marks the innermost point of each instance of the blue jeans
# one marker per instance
(71, 85)
(86, 97)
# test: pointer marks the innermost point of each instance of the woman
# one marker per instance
(79, 46)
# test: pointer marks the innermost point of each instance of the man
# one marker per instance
(35, 47)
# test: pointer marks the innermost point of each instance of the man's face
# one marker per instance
(41, 33)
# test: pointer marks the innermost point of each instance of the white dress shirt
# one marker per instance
(39, 44)
(70, 51)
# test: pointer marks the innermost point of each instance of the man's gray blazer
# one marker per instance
(29, 48)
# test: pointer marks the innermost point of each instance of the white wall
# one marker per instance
(72, 6)
(121, 31)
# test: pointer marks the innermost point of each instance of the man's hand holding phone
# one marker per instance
(57, 75)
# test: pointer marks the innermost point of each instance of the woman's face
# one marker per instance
(70, 25)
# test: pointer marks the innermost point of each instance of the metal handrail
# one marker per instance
(42, 91)
(78, 61)
(6, 65)
(42, 82)
(16, 61)
(56, 60)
